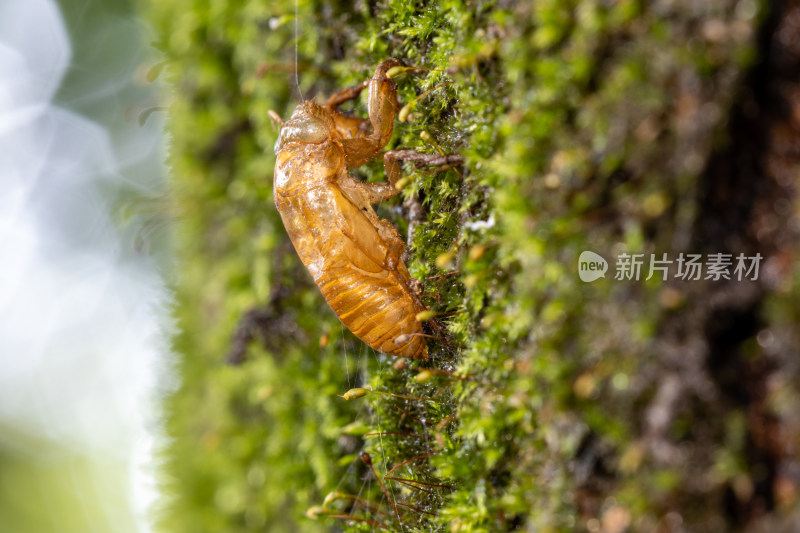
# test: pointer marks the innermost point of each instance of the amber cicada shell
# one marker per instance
(353, 256)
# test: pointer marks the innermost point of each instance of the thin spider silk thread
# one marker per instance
(296, 42)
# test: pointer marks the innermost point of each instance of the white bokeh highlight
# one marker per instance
(83, 334)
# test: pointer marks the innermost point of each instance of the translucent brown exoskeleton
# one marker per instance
(354, 257)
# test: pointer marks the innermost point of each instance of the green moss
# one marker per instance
(560, 110)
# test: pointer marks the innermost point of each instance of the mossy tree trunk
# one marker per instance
(628, 127)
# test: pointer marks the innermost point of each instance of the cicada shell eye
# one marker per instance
(303, 129)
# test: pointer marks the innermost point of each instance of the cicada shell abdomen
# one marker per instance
(345, 253)
(377, 309)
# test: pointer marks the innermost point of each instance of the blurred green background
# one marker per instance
(83, 345)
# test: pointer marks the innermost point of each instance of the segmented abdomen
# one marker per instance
(373, 301)
(376, 308)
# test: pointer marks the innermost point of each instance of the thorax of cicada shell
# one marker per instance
(303, 167)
